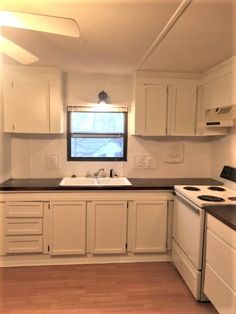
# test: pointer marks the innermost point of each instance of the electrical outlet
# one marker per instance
(150, 162)
(139, 162)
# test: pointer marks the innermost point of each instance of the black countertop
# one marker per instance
(137, 184)
(225, 213)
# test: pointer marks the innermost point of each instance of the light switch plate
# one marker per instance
(52, 161)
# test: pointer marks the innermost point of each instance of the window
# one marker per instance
(97, 135)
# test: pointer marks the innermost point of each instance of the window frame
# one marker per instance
(97, 135)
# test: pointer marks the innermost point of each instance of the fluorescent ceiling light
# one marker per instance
(42, 23)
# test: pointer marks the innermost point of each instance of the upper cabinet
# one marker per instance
(151, 110)
(217, 99)
(220, 91)
(32, 99)
(183, 109)
(165, 107)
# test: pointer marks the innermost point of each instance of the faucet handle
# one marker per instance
(113, 173)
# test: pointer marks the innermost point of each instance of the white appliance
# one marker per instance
(189, 227)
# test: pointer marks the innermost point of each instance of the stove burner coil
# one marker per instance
(216, 188)
(191, 188)
(211, 198)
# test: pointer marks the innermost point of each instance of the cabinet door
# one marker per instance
(151, 110)
(149, 226)
(26, 106)
(2, 226)
(109, 227)
(184, 111)
(220, 92)
(67, 228)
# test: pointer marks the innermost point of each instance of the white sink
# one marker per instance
(83, 181)
(114, 181)
(79, 181)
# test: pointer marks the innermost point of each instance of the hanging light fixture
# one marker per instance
(102, 98)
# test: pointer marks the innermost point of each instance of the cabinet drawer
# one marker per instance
(22, 226)
(219, 293)
(33, 244)
(24, 209)
(222, 258)
(224, 232)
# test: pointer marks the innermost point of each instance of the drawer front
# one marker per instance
(23, 226)
(218, 292)
(222, 231)
(24, 209)
(222, 258)
(27, 244)
(189, 273)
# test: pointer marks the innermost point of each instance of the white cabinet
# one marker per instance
(220, 91)
(169, 108)
(220, 273)
(23, 225)
(151, 110)
(148, 226)
(2, 223)
(32, 100)
(88, 226)
(67, 228)
(183, 108)
(109, 227)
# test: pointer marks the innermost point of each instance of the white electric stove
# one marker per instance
(189, 227)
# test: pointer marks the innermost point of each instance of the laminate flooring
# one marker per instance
(94, 289)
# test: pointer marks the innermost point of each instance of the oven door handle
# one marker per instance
(192, 207)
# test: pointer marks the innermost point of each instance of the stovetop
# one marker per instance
(202, 195)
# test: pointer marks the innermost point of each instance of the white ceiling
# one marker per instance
(115, 34)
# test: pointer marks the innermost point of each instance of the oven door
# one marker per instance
(188, 228)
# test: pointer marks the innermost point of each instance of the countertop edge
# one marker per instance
(214, 211)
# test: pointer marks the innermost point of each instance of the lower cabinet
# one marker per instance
(220, 272)
(23, 226)
(67, 228)
(148, 227)
(108, 227)
(83, 227)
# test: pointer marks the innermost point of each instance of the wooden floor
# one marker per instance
(91, 289)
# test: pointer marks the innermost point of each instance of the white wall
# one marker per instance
(223, 153)
(5, 142)
(30, 152)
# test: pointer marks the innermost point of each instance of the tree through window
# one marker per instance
(97, 135)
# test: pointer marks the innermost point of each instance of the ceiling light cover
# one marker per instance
(42, 23)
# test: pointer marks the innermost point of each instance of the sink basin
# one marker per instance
(82, 181)
(114, 181)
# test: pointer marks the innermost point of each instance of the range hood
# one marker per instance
(220, 117)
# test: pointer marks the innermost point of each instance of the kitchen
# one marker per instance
(96, 63)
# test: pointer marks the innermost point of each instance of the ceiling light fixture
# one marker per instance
(102, 98)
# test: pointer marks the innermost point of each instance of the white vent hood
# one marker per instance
(220, 117)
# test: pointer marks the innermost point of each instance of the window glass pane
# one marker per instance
(97, 147)
(97, 122)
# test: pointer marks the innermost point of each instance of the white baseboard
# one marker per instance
(46, 260)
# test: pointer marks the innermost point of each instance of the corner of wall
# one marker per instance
(5, 141)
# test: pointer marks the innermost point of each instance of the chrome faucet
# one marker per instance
(96, 174)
